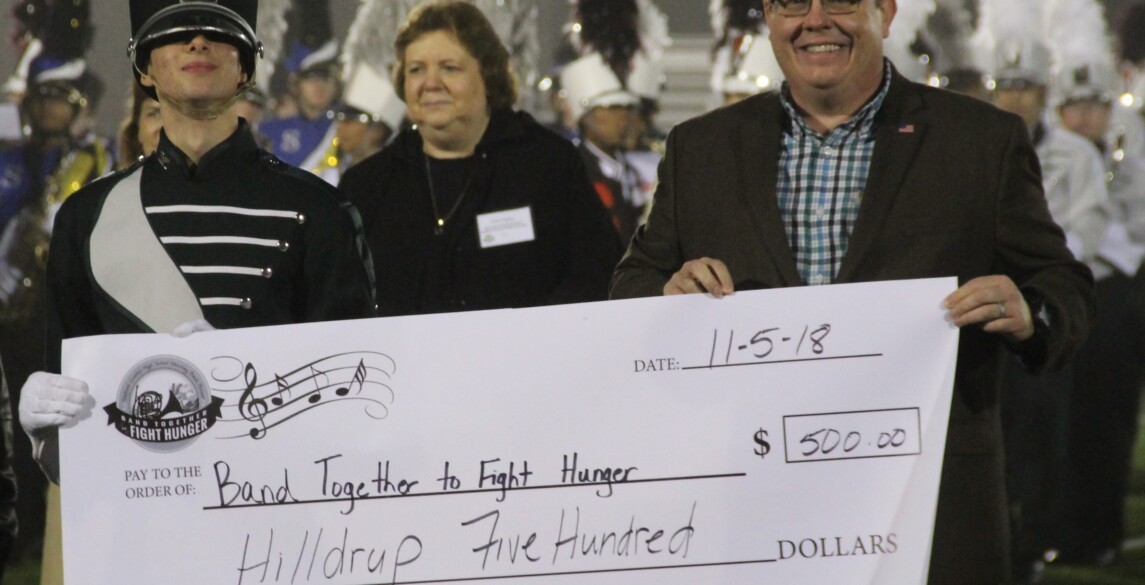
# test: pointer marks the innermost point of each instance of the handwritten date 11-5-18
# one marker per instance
(772, 342)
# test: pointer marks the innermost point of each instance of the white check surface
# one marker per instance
(783, 436)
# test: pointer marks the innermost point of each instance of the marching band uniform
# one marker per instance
(302, 140)
(1035, 409)
(37, 174)
(241, 240)
(1106, 395)
(236, 239)
(624, 188)
(743, 63)
(619, 68)
(371, 113)
(370, 100)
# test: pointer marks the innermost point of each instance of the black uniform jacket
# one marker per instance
(519, 165)
(954, 190)
(254, 242)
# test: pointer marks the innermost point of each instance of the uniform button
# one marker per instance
(301, 217)
(246, 303)
(283, 245)
(267, 272)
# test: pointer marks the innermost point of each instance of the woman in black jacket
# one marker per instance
(476, 206)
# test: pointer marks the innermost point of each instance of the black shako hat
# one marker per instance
(232, 21)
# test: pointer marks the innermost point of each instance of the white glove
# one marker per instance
(193, 326)
(48, 402)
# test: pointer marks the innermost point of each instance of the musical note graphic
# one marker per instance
(283, 391)
(354, 377)
(359, 379)
(252, 408)
(317, 394)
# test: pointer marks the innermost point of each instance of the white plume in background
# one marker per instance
(1015, 19)
(719, 16)
(515, 22)
(1078, 33)
(909, 20)
(980, 45)
(948, 33)
(271, 30)
(370, 38)
(654, 32)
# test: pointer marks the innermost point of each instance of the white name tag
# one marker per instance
(502, 228)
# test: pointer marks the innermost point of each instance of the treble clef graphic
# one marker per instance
(252, 408)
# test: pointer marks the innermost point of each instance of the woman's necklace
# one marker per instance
(440, 220)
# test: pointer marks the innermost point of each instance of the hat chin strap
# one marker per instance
(204, 111)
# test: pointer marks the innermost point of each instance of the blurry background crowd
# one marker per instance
(613, 76)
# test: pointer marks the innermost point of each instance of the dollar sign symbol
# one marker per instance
(763, 446)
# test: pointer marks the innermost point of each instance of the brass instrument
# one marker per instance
(24, 240)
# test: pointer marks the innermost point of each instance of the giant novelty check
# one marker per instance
(783, 436)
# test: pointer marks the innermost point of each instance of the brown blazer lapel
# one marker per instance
(758, 163)
(899, 131)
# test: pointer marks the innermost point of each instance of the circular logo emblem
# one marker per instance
(163, 403)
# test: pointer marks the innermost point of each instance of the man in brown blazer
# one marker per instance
(852, 173)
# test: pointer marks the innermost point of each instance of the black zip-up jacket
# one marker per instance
(518, 164)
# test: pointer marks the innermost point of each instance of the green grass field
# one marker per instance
(1129, 570)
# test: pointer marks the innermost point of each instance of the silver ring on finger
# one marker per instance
(1001, 310)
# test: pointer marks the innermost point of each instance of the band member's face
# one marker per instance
(196, 70)
(1088, 117)
(608, 127)
(317, 92)
(52, 115)
(1027, 102)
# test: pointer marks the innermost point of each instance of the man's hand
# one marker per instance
(996, 303)
(48, 402)
(703, 275)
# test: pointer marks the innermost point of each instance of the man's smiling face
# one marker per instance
(821, 52)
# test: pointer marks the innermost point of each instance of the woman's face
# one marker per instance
(150, 123)
(444, 88)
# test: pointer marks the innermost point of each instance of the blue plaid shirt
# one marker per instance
(821, 181)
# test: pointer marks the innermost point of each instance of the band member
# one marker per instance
(207, 232)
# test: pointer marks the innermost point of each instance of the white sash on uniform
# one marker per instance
(130, 264)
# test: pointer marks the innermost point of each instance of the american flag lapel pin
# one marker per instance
(906, 128)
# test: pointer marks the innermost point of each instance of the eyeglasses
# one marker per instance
(802, 7)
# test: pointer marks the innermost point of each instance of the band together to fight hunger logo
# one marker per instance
(163, 399)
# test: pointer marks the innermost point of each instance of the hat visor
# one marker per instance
(177, 21)
(612, 98)
(1014, 80)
